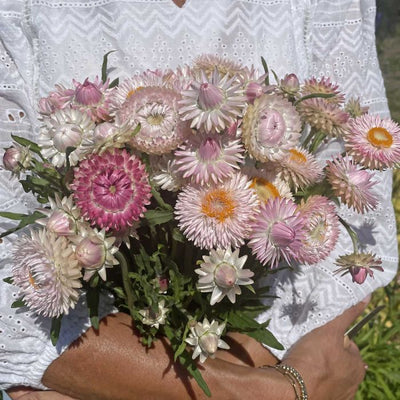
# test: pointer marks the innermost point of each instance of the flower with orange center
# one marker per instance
(217, 215)
(374, 142)
(299, 168)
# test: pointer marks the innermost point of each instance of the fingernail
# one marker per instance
(367, 299)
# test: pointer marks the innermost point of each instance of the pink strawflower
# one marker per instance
(217, 216)
(132, 85)
(321, 229)
(93, 97)
(47, 273)
(299, 168)
(209, 157)
(17, 159)
(324, 116)
(323, 86)
(373, 141)
(271, 126)
(277, 232)
(351, 184)
(290, 85)
(212, 103)
(111, 190)
(210, 62)
(358, 265)
(156, 110)
(56, 100)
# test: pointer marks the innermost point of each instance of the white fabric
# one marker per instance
(43, 42)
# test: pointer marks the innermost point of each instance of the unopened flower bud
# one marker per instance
(67, 136)
(290, 84)
(359, 274)
(209, 343)
(210, 96)
(61, 223)
(16, 159)
(253, 91)
(103, 131)
(91, 253)
(225, 275)
(88, 93)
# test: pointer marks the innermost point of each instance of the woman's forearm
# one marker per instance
(112, 364)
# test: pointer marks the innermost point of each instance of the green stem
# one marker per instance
(159, 199)
(126, 281)
(353, 235)
(319, 137)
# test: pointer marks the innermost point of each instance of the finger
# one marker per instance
(343, 321)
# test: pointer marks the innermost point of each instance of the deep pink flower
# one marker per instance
(111, 190)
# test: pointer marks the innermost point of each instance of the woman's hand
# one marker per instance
(32, 394)
(329, 363)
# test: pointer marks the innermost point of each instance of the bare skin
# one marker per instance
(331, 367)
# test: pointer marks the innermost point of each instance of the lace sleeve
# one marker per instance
(341, 45)
(25, 347)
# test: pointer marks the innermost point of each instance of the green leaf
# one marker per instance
(92, 298)
(157, 217)
(18, 303)
(266, 337)
(26, 219)
(313, 96)
(266, 70)
(8, 280)
(27, 143)
(55, 329)
(104, 66)
(11, 215)
(181, 348)
(114, 83)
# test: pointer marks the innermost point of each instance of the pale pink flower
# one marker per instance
(299, 168)
(111, 190)
(358, 265)
(165, 174)
(156, 110)
(324, 116)
(212, 103)
(210, 62)
(351, 184)
(321, 229)
(373, 141)
(217, 216)
(209, 157)
(323, 86)
(47, 273)
(56, 100)
(222, 273)
(277, 232)
(271, 126)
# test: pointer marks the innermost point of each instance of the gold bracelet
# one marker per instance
(294, 378)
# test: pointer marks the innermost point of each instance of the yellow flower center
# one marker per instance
(155, 119)
(32, 280)
(379, 137)
(132, 92)
(218, 204)
(297, 157)
(265, 190)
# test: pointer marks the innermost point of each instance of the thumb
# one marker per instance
(343, 321)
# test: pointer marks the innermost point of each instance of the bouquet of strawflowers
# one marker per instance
(178, 190)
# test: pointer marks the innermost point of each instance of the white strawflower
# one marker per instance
(221, 273)
(206, 339)
(155, 318)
